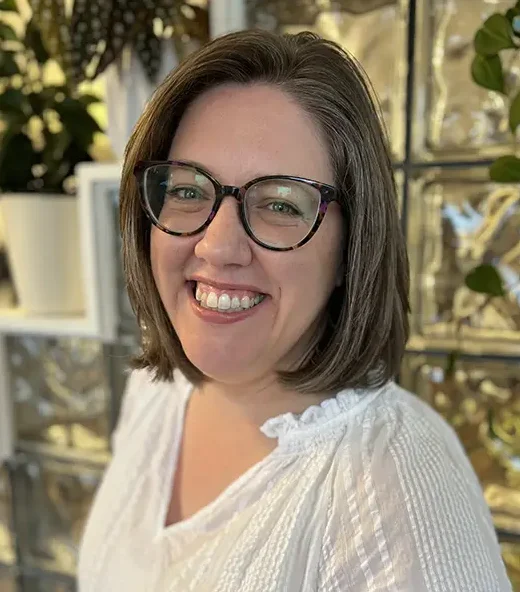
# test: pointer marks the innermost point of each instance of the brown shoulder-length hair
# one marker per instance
(362, 338)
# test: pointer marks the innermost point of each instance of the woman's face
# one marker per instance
(239, 133)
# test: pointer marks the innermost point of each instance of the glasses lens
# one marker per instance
(281, 213)
(179, 197)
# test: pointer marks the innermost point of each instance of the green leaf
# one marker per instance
(12, 100)
(33, 39)
(8, 65)
(7, 33)
(514, 113)
(485, 279)
(495, 35)
(505, 169)
(8, 5)
(78, 121)
(88, 99)
(487, 72)
(16, 162)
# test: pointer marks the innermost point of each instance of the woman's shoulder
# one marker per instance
(403, 416)
(145, 394)
(405, 483)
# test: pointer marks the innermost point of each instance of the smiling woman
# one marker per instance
(263, 444)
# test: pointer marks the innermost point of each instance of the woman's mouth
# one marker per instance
(226, 300)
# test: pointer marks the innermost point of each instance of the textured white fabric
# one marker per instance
(371, 491)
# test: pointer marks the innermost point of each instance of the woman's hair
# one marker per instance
(361, 340)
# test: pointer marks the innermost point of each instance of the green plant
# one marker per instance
(99, 30)
(46, 129)
(497, 43)
(496, 39)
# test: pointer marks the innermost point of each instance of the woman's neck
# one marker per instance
(254, 402)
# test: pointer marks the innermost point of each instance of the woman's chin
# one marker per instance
(222, 367)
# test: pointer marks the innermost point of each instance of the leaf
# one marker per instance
(495, 35)
(514, 113)
(487, 72)
(485, 279)
(149, 48)
(12, 100)
(505, 169)
(88, 99)
(8, 65)
(53, 159)
(77, 121)
(16, 162)
(53, 24)
(8, 5)
(33, 39)
(38, 103)
(7, 33)
(89, 25)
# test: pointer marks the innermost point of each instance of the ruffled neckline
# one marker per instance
(320, 418)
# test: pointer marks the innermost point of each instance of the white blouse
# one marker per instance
(369, 492)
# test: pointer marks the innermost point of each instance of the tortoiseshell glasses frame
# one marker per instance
(328, 194)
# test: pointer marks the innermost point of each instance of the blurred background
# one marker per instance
(74, 75)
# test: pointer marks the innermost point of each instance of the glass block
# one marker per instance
(60, 392)
(454, 117)
(511, 557)
(8, 579)
(374, 31)
(52, 502)
(482, 402)
(7, 549)
(456, 221)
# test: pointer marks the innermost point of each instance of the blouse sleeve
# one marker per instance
(408, 512)
(137, 386)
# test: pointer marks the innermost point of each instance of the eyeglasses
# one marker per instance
(278, 212)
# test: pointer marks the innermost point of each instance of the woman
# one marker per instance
(263, 445)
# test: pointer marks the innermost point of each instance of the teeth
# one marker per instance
(212, 301)
(224, 302)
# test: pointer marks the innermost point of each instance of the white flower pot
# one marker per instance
(43, 246)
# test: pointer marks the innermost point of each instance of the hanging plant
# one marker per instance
(101, 29)
(51, 17)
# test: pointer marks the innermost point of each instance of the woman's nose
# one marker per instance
(225, 241)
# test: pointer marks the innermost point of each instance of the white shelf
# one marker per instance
(16, 320)
(99, 262)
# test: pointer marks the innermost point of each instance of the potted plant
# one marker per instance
(46, 131)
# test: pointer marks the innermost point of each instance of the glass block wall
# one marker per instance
(444, 131)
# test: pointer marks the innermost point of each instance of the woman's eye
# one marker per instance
(185, 193)
(283, 207)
